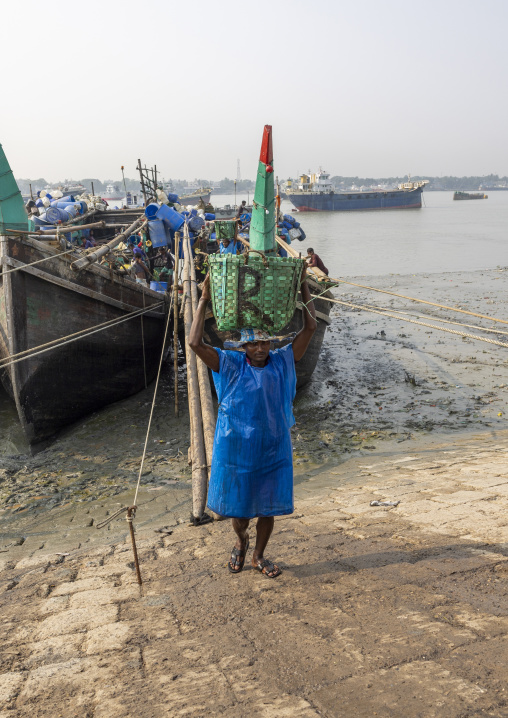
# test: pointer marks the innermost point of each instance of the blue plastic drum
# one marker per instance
(157, 231)
(151, 210)
(171, 218)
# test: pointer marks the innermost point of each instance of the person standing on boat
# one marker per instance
(139, 268)
(241, 209)
(252, 464)
(314, 260)
(163, 262)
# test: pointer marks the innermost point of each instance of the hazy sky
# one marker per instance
(370, 88)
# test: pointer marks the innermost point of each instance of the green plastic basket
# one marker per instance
(225, 229)
(253, 290)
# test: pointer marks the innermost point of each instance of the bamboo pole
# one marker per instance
(294, 253)
(80, 217)
(93, 225)
(175, 318)
(205, 391)
(106, 248)
(64, 227)
(198, 452)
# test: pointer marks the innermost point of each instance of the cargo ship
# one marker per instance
(316, 193)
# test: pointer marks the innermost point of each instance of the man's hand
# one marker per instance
(205, 288)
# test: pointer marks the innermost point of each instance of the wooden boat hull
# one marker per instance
(305, 367)
(194, 199)
(49, 301)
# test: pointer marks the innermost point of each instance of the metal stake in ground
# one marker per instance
(131, 512)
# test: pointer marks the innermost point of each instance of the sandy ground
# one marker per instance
(380, 611)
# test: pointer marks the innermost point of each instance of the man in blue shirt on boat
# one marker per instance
(252, 464)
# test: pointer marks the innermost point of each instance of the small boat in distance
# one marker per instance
(203, 194)
(316, 193)
(229, 211)
(469, 195)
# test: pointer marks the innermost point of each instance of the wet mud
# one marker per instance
(378, 380)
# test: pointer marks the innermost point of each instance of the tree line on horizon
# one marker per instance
(227, 186)
(448, 182)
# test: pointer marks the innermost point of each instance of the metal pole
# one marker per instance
(131, 512)
(93, 193)
(142, 181)
(124, 186)
(175, 319)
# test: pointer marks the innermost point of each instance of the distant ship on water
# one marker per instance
(316, 193)
(112, 193)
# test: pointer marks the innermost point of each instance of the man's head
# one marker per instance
(257, 352)
(310, 251)
(244, 202)
(225, 242)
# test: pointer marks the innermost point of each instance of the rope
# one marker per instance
(413, 321)
(422, 301)
(111, 518)
(143, 340)
(437, 319)
(294, 253)
(153, 401)
(45, 259)
(73, 337)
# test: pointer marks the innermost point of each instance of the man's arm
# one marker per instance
(204, 351)
(302, 339)
(146, 268)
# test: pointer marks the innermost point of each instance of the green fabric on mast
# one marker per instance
(12, 208)
(262, 226)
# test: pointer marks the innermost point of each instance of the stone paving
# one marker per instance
(393, 612)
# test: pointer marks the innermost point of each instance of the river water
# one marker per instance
(443, 236)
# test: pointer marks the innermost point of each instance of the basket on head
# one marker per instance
(254, 290)
(225, 229)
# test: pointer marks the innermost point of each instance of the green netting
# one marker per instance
(261, 293)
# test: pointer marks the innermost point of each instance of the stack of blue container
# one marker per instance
(290, 223)
(164, 221)
(59, 211)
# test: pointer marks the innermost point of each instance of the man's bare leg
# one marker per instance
(240, 527)
(264, 530)
(236, 561)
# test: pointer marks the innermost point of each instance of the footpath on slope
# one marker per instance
(398, 612)
(380, 611)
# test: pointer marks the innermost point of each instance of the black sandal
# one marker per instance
(266, 567)
(238, 558)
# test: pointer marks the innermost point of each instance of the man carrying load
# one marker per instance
(252, 465)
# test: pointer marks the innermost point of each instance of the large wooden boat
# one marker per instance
(305, 367)
(50, 302)
(74, 336)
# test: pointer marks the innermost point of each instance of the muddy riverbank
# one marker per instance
(378, 380)
(383, 611)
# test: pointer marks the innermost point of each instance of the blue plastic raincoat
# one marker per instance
(252, 465)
